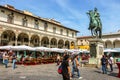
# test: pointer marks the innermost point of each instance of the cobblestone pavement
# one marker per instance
(49, 72)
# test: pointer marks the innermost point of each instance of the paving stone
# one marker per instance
(49, 72)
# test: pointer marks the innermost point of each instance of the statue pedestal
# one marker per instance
(96, 50)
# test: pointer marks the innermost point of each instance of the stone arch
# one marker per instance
(35, 40)
(45, 42)
(23, 39)
(108, 44)
(72, 45)
(116, 43)
(8, 37)
(67, 44)
(60, 43)
(53, 43)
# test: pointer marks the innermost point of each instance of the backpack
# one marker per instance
(60, 69)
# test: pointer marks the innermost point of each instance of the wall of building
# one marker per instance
(111, 40)
(16, 29)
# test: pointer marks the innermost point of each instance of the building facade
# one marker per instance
(111, 40)
(23, 28)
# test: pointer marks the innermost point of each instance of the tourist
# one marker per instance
(66, 68)
(22, 59)
(110, 61)
(76, 66)
(58, 59)
(103, 63)
(14, 60)
(4, 52)
(6, 57)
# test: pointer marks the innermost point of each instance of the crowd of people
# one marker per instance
(105, 61)
(8, 56)
(70, 62)
(69, 66)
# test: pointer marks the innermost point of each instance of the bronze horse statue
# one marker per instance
(95, 24)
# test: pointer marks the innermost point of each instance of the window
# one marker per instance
(61, 31)
(54, 29)
(81, 40)
(2, 11)
(75, 34)
(72, 34)
(36, 24)
(10, 17)
(45, 26)
(67, 33)
(24, 21)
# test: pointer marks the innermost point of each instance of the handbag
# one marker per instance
(60, 69)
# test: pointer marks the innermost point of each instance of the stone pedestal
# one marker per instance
(96, 50)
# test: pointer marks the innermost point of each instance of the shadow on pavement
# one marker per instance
(108, 72)
(98, 71)
(113, 74)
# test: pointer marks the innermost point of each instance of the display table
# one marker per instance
(118, 64)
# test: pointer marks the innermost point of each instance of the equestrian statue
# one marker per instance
(95, 24)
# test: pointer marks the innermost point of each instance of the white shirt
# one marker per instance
(110, 60)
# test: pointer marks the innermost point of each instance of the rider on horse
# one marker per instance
(97, 17)
(95, 23)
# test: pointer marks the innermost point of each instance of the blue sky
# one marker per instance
(72, 13)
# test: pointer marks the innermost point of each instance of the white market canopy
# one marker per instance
(22, 47)
(57, 50)
(118, 49)
(6, 47)
(110, 50)
(42, 49)
(85, 51)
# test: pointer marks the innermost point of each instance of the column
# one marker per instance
(70, 46)
(39, 41)
(75, 44)
(0, 40)
(16, 37)
(49, 43)
(29, 40)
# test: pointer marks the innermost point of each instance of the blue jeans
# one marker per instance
(13, 64)
(5, 62)
(75, 69)
(104, 69)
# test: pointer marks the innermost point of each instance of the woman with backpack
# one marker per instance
(66, 68)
